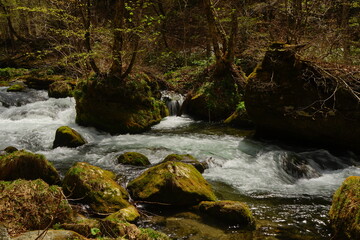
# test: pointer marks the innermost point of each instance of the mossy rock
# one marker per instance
(129, 214)
(16, 88)
(68, 137)
(60, 89)
(51, 235)
(10, 149)
(173, 183)
(345, 210)
(96, 187)
(32, 205)
(185, 158)
(240, 118)
(27, 165)
(133, 158)
(128, 106)
(84, 226)
(130, 231)
(229, 212)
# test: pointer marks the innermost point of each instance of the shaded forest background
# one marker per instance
(79, 36)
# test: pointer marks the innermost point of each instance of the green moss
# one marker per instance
(345, 210)
(153, 234)
(133, 158)
(173, 183)
(95, 186)
(185, 158)
(68, 137)
(16, 88)
(128, 214)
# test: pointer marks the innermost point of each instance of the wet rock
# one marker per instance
(173, 183)
(345, 210)
(185, 158)
(68, 137)
(229, 212)
(32, 205)
(60, 89)
(133, 158)
(50, 235)
(27, 165)
(10, 149)
(289, 98)
(96, 187)
(84, 226)
(16, 88)
(240, 118)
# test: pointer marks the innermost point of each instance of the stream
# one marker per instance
(288, 202)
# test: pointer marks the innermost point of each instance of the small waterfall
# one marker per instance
(173, 102)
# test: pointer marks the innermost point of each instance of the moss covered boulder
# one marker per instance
(290, 98)
(32, 205)
(67, 137)
(345, 210)
(229, 212)
(51, 235)
(96, 187)
(16, 88)
(60, 89)
(185, 158)
(133, 158)
(27, 165)
(128, 214)
(173, 183)
(127, 106)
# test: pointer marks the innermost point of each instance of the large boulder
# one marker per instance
(291, 98)
(60, 89)
(68, 137)
(96, 187)
(128, 106)
(133, 158)
(345, 210)
(27, 165)
(32, 205)
(229, 212)
(173, 183)
(185, 158)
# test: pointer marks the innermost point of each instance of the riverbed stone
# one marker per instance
(96, 187)
(293, 99)
(185, 158)
(173, 183)
(68, 137)
(32, 205)
(345, 210)
(51, 235)
(16, 88)
(128, 214)
(60, 89)
(27, 165)
(133, 158)
(233, 213)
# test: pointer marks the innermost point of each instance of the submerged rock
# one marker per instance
(133, 158)
(60, 89)
(345, 210)
(27, 165)
(50, 235)
(173, 183)
(32, 205)
(128, 106)
(96, 187)
(185, 158)
(68, 137)
(229, 212)
(290, 98)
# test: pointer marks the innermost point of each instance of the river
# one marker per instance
(288, 204)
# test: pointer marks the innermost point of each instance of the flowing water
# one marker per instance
(288, 188)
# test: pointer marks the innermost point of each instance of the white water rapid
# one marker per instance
(239, 168)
